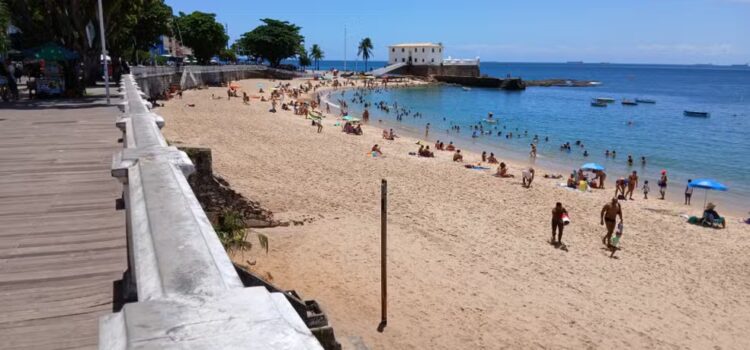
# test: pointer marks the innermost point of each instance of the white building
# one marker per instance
(416, 53)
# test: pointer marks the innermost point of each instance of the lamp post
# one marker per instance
(104, 50)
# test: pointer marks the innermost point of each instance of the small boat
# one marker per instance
(644, 100)
(629, 103)
(604, 99)
(466, 88)
(696, 114)
(596, 103)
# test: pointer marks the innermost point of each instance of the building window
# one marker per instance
(423, 49)
(402, 49)
(403, 59)
(393, 50)
(433, 60)
(433, 50)
(440, 50)
(423, 60)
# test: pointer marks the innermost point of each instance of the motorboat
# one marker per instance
(604, 99)
(629, 103)
(696, 114)
(644, 100)
(597, 103)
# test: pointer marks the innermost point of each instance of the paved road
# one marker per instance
(62, 244)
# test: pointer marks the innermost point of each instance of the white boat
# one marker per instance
(604, 99)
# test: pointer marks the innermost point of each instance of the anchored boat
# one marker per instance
(604, 99)
(696, 114)
(596, 103)
(644, 100)
(629, 103)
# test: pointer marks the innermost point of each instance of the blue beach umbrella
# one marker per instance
(592, 166)
(707, 184)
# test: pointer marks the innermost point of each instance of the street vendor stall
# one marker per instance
(51, 60)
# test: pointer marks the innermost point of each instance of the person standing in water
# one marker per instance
(532, 154)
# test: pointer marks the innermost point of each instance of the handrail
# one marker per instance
(188, 292)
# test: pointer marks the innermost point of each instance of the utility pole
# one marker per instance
(104, 50)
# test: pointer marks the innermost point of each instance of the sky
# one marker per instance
(615, 31)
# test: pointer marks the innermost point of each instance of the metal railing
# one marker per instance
(185, 292)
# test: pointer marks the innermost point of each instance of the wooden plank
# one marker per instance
(62, 243)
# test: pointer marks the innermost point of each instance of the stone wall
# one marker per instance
(442, 70)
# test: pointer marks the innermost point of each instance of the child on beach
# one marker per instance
(688, 192)
(615, 241)
(645, 189)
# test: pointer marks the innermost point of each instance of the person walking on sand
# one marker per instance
(609, 215)
(320, 126)
(365, 116)
(646, 189)
(662, 184)
(688, 192)
(557, 222)
(632, 184)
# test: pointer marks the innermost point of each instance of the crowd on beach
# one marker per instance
(295, 98)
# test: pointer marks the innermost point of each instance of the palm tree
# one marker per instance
(365, 50)
(304, 58)
(316, 54)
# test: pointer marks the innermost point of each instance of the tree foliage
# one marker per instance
(4, 21)
(130, 25)
(200, 32)
(316, 53)
(273, 41)
(303, 57)
(364, 50)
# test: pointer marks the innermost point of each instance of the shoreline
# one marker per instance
(516, 160)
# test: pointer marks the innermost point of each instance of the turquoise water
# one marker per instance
(717, 147)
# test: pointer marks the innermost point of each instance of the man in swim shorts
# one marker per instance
(609, 215)
(632, 184)
(557, 222)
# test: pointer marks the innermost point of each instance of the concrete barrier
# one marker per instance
(184, 291)
(154, 80)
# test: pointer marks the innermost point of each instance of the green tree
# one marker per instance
(365, 50)
(304, 58)
(228, 55)
(4, 21)
(273, 41)
(200, 32)
(130, 26)
(316, 53)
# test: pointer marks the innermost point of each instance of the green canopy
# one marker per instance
(50, 52)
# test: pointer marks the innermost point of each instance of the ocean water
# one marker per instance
(717, 147)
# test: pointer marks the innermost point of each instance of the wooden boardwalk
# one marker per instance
(62, 243)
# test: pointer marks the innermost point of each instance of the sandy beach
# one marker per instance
(470, 264)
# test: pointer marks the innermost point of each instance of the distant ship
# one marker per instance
(574, 62)
(644, 100)
(740, 65)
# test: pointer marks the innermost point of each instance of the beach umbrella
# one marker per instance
(707, 184)
(592, 166)
(350, 118)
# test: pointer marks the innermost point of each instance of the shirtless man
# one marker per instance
(502, 171)
(376, 149)
(532, 154)
(632, 184)
(609, 214)
(365, 116)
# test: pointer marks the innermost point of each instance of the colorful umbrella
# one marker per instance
(707, 184)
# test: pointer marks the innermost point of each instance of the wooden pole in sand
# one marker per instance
(383, 245)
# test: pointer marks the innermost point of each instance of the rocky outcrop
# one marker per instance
(216, 196)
